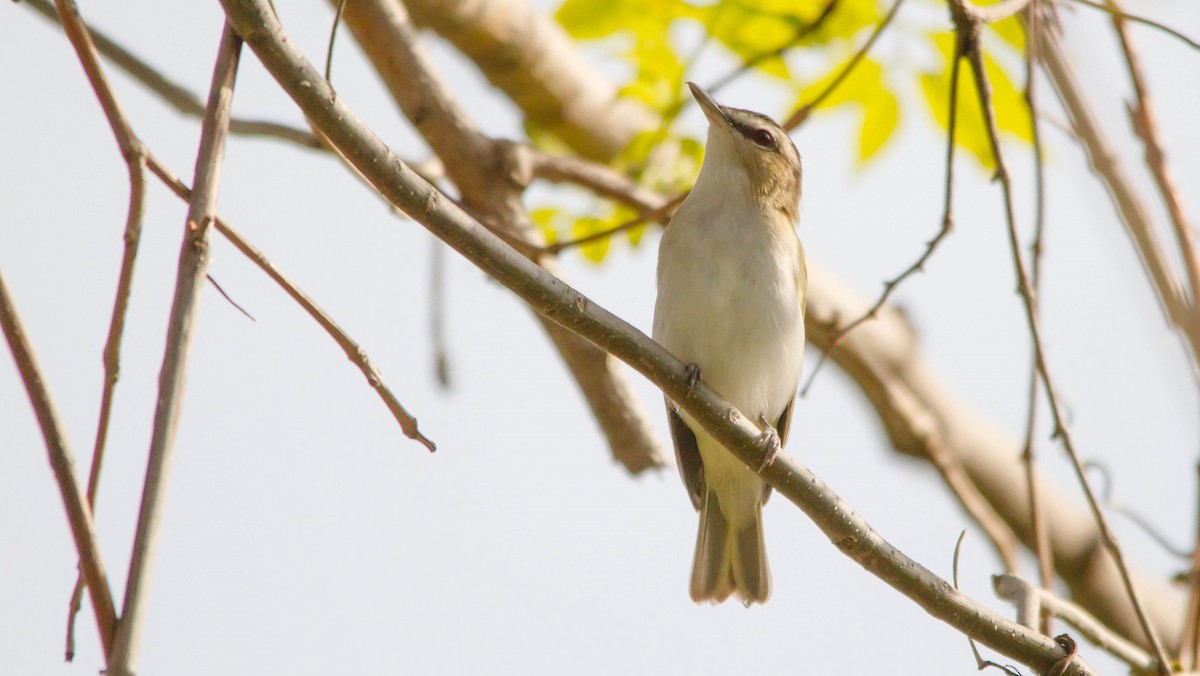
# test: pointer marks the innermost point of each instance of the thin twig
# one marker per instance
(79, 515)
(176, 95)
(598, 178)
(490, 178)
(1141, 114)
(960, 483)
(132, 151)
(1106, 497)
(1175, 306)
(604, 182)
(437, 313)
(408, 424)
(228, 299)
(1142, 20)
(968, 22)
(570, 309)
(658, 214)
(1189, 644)
(802, 32)
(337, 20)
(980, 663)
(193, 261)
(797, 118)
(889, 286)
(1021, 593)
(1041, 535)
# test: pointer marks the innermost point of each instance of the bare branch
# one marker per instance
(176, 95)
(337, 21)
(1024, 595)
(553, 298)
(660, 214)
(980, 663)
(889, 286)
(1104, 163)
(1041, 536)
(885, 363)
(193, 262)
(1189, 646)
(530, 58)
(437, 313)
(353, 352)
(599, 178)
(1142, 20)
(967, 21)
(490, 177)
(132, 151)
(79, 514)
(1146, 127)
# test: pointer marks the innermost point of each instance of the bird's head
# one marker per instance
(758, 146)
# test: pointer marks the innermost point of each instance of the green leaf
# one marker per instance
(593, 19)
(544, 220)
(881, 116)
(1012, 114)
(866, 88)
(593, 251)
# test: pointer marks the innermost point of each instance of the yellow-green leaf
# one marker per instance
(881, 116)
(593, 251)
(1012, 114)
(866, 88)
(592, 19)
(544, 219)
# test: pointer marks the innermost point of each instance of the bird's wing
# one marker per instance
(781, 426)
(687, 456)
(785, 421)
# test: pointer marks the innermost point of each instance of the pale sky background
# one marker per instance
(305, 534)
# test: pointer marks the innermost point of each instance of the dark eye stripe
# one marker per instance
(760, 136)
(763, 138)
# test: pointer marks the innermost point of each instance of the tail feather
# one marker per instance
(753, 578)
(711, 568)
(728, 562)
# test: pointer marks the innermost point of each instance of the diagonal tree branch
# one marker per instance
(174, 94)
(884, 361)
(567, 306)
(353, 352)
(1145, 125)
(529, 57)
(968, 21)
(193, 263)
(551, 297)
(1104, 162)
(133, 153)
(473, 163)
(79, 514)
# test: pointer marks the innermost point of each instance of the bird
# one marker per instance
(731, 288)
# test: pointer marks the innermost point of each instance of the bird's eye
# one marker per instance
(763, 138)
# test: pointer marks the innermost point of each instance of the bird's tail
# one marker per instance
(727, 561)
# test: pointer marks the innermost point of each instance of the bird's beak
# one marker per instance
(712, 109)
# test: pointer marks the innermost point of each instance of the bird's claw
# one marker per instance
(693, 378)
(769, 441)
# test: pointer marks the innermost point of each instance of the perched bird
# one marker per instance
(731, 291)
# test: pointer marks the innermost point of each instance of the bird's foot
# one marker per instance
(693, 378)
(768, 440)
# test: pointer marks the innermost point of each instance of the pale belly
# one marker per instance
(740, 322)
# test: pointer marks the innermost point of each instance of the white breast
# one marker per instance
(729, 300)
